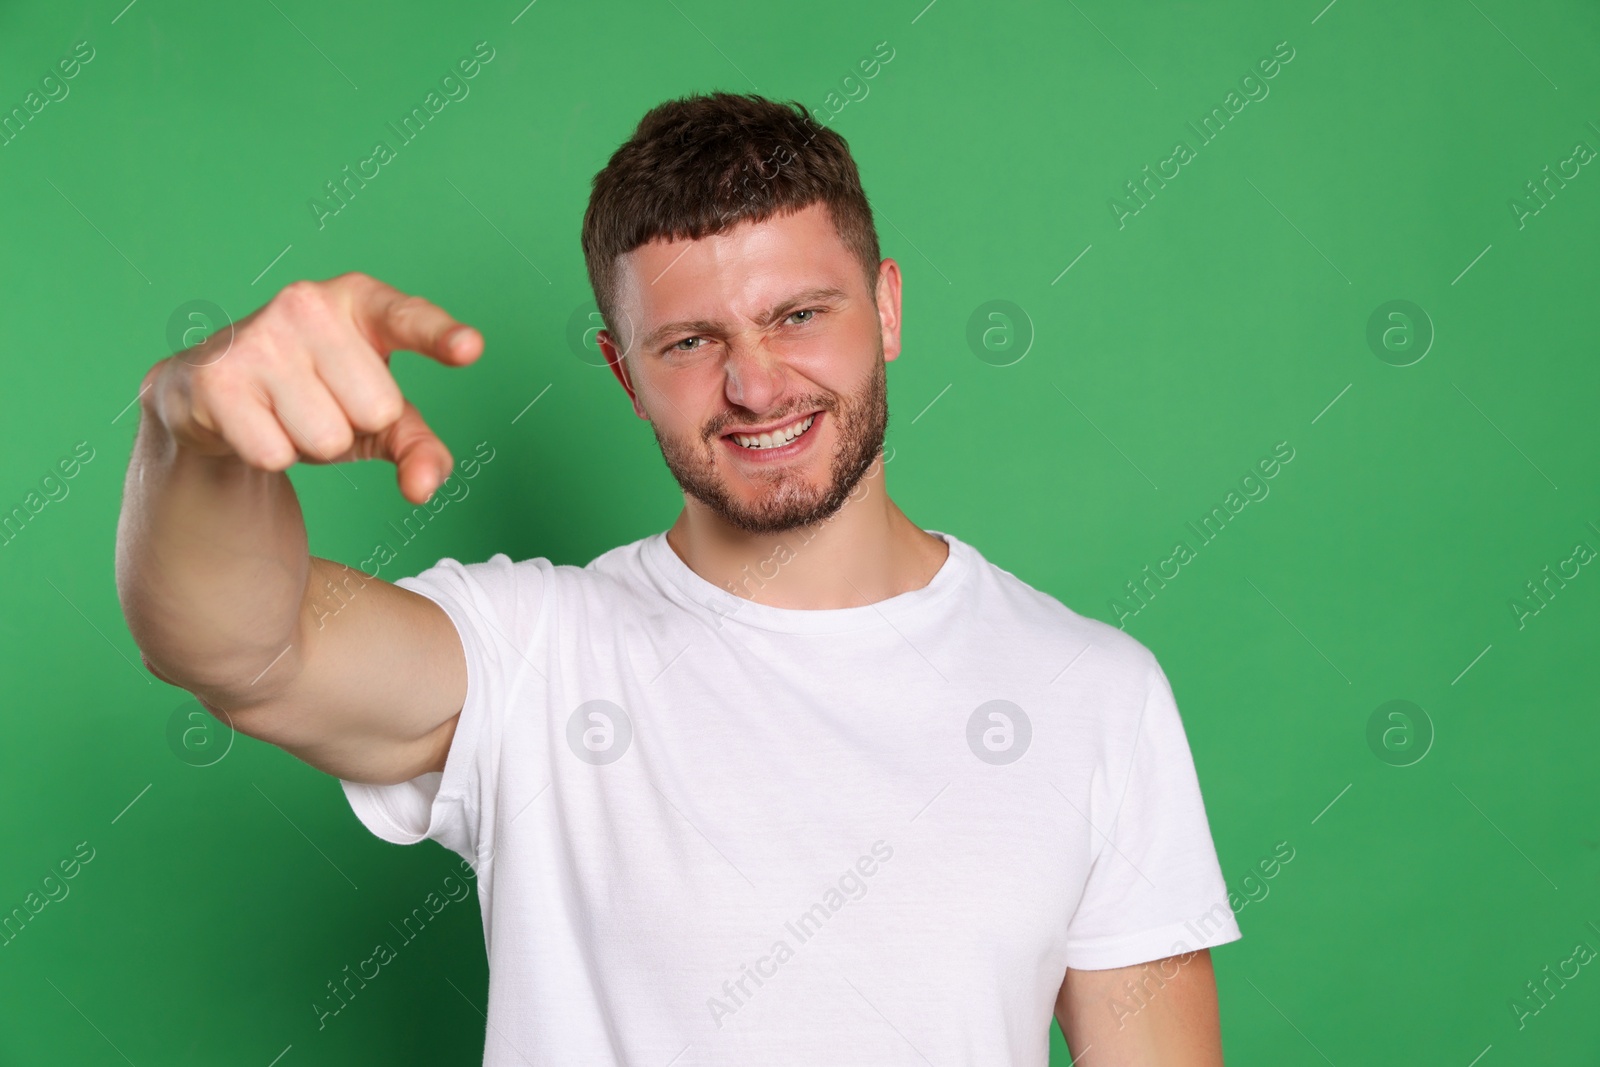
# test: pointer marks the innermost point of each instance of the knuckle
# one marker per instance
(298, 291)
(268, 456)
(255, 444)
(295, 300)
(217, 384)
(384, 409)
(356, 287)
(229, 376)
(332, 439)
(410, 309)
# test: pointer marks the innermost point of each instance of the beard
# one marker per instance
(788, 499)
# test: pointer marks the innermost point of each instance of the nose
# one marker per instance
(753, 375)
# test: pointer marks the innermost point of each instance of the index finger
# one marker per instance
(391, 319)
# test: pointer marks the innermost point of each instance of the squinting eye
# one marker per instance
(686, 340)
(807, 311)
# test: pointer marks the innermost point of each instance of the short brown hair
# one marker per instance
(702, 164)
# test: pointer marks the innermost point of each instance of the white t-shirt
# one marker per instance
(710, 831)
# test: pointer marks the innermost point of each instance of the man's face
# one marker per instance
(765, 332)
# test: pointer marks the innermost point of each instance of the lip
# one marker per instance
(775, 455)
(759, 430)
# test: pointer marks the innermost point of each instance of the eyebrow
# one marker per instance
(692, 327)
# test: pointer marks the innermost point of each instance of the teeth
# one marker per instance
(777, 437)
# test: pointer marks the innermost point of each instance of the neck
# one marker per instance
(866, 551)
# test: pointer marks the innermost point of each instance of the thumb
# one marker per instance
(422, 461)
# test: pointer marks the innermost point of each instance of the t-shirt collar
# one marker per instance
(665, 565)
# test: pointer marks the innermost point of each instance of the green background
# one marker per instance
(1228, 315)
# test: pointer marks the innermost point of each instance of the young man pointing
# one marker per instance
(795, 781)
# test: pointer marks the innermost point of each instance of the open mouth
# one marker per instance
(775, 439)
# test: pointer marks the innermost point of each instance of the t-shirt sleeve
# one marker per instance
(497, 607)
(1155, 888)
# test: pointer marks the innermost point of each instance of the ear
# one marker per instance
(888, 301)
(614, 360)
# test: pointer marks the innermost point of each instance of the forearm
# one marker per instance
(212, 566)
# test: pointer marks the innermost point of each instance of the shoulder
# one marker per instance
(1106, 654)
(619, 563)
(519, 585)
(1030, 604)
(497, 577)
(617, 585)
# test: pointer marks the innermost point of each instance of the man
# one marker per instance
(793, 782)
